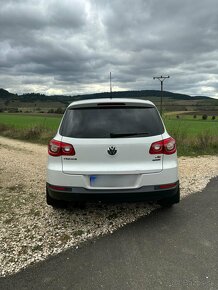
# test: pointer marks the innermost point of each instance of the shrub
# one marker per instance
(177, 117)
(194, 116)
(13, 110)
(3, 127)
(213, 118)
(33, 133)
(204, 117)
(59, 111)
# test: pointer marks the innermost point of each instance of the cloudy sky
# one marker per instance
(71, 46)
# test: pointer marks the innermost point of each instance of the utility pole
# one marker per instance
(161, 79)
(110, 86)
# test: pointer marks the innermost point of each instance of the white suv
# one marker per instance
(115, 149)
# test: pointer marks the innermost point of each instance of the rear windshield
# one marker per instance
(111, 122)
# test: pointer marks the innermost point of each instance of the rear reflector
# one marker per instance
(55, 187)
(165, 186)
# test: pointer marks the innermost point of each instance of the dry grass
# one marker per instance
(36, 134)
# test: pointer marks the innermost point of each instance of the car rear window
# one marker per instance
(111, 122)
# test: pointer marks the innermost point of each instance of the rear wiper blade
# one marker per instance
(117, 135)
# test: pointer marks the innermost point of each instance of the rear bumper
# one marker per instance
(144, 193)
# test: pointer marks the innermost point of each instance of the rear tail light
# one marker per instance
(166, 146)
(58, 148)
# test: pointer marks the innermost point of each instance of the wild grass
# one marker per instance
(36, 134)
(32, 128)
(193, 136)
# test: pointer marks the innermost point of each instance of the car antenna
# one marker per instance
(110, 87)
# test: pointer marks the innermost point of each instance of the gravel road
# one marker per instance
(30, 230)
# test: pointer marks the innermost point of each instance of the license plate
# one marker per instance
(113, 180)
(92, 179)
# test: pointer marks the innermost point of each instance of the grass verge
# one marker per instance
(34, 134)
(193, 137)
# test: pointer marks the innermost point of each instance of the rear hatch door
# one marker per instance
(113, 139)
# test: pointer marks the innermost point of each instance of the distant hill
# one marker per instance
(144, 94)
(40, 103)
(140, 94)
(6, 95)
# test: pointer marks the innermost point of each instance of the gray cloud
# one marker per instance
(70, 46)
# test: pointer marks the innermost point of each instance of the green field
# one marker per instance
(33, 128)
(192, 127)
(193, 136)
(23, 121)
(186, 123)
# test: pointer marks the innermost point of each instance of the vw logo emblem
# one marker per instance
(112, 150)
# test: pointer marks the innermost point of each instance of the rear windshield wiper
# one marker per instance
(117, 135)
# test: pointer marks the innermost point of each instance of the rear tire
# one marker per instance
(170, 201)
(55, 203)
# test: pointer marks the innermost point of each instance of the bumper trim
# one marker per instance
(144, 193)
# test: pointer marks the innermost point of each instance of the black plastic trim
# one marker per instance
(145, 193)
